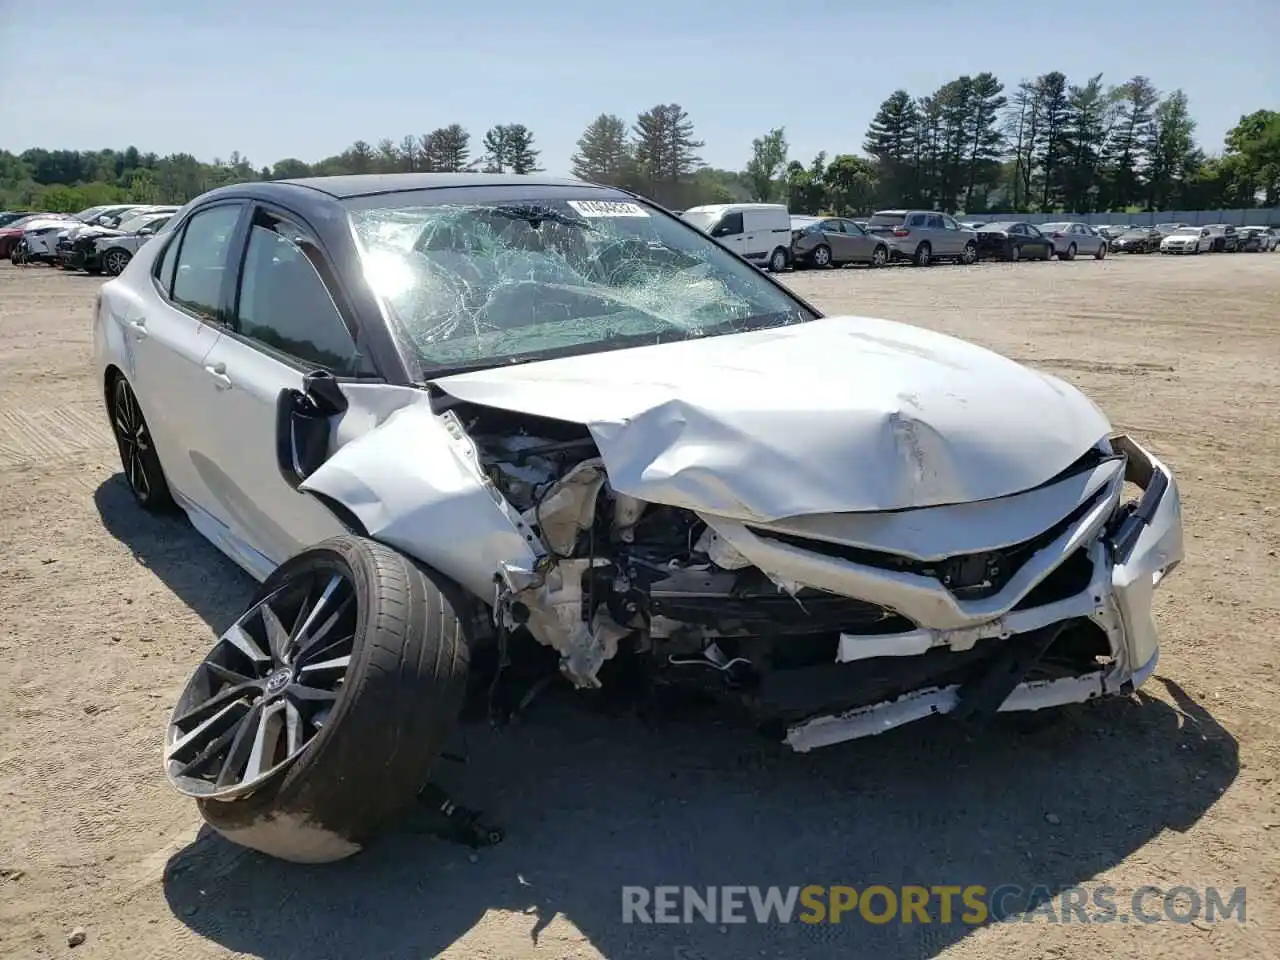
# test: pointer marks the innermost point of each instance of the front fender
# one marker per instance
(415, 483)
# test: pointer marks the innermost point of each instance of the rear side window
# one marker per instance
(164, 266)
(202, 260)
(283, 302)
(916, 220)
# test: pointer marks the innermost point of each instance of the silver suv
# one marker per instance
(923, 236)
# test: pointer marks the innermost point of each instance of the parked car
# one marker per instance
(427, 465)
(1072, 237)
(103, 218)
(1253, 240)
(1225, 238)
(1114, 231)
(759, 232)
(834, 241)
(1187, 240)
(110, 251)
(9, 216)
(12, 235)
(72, 245)
(1138, 240)
(923, 236)
(1168, 228)
(1271, 235)
(1013, 240)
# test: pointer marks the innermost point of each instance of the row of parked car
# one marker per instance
(770, 236)
(101, 239)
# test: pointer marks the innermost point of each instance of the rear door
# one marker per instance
(286, 322)
(169, 344)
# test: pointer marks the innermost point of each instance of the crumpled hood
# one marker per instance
(836, 415)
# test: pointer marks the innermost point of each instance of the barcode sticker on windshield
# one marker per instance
(608, 208)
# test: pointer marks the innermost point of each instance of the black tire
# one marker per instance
(1015, 253)
(821, 256)
(923, 256)
(1070, 254)
(115, 260)
(969, 255)
(880, 256)
(778, 260)
(401, 696)
(138, 458)
(1101, 252)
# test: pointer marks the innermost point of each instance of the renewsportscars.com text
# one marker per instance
(940, 903)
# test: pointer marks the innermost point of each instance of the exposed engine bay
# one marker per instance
(618, 574)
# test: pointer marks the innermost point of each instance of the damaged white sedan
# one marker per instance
(446, 419)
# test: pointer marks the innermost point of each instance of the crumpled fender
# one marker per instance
(414, 482)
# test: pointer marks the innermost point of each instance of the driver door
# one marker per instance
(285, 323)
(729, 231)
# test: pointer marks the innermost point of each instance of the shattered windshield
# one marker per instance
(476, 285)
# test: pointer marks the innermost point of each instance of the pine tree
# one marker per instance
(604, 155)
(891, 139)
(446, 148)
(665, 151)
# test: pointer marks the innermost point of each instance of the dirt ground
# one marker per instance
(104, 611)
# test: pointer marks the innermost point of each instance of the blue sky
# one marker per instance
(284, 78)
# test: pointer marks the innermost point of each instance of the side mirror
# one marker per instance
(303, 426)
(146, 231)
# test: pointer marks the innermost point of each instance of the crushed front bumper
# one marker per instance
(1130, 548)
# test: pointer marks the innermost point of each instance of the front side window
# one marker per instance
(481, 284)
(730, 225)
(1031, 230)
(202, 259)
(283, 302)
(950, 224)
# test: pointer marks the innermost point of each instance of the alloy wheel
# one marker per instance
(266, 690)
(115, 262)
(879, 257)
(133, 439)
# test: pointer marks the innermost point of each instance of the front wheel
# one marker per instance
(969, 255)
(1100, 252)
(879, 256)
(778, 260)
(114, 261)
(318, 715)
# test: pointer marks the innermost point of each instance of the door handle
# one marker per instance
(139, 327)
(219, 373)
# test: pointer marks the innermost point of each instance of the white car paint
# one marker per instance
(850, 431)
(1187, 240)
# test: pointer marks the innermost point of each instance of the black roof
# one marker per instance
(369, 184)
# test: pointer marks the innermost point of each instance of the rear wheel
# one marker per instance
(318, 715)
(778, 260)
(1070, 254)
(923, 256)
(138, 457)
(821, 256)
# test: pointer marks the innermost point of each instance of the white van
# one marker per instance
(759, 232)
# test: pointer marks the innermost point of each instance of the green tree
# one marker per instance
(666, 152)
(806, 186)
(1126, 156)
(850, 185)
(447, 149)
(1173, 156)
(604, 154)
(768, 161)
(984, 141)
(892, 140)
